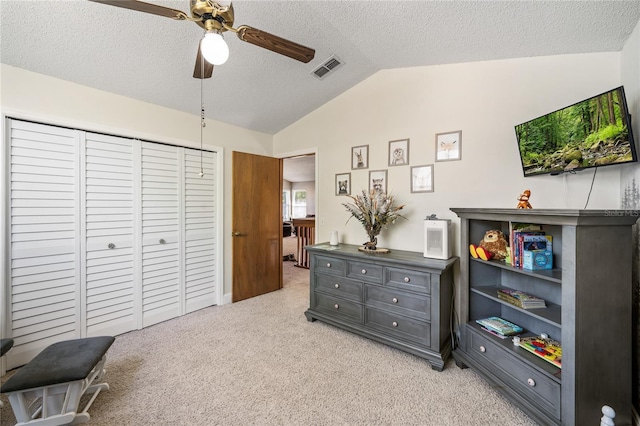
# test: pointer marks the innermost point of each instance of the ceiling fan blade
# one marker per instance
(198, 71)
(145, 7)
(275, 44)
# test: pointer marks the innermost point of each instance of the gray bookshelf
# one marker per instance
(589, 309)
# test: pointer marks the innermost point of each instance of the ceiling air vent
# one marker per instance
(329, 65)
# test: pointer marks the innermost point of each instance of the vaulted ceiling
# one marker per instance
(151, 58)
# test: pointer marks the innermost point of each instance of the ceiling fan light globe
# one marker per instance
(214, 48)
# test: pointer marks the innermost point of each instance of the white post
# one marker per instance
(608, 415)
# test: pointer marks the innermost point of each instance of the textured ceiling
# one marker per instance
(299, 169)
(151, 58)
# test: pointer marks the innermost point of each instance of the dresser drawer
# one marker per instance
(339, 308)
(364, 271)
(407, 279)
(339, 286)
(523, 378)
(399, 301)
(329, 265)
(399, 326)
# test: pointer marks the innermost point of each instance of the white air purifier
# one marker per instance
(438, 238)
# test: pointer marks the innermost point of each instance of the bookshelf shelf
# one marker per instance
(588, 296)
(551, 314)
(553, 275)
(546, 368)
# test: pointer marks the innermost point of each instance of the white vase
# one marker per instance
(334, 238)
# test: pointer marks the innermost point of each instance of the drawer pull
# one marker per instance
(483, 349)
(394, 300)
(531, 382)
(328, 265)
(364, 271)
(336, 306)
(336, 285)
(111, 246)
(395, 324)
(162, 241)
(407, 279)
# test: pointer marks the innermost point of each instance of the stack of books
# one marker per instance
(521, 299)
(530, 247)
(500, 327)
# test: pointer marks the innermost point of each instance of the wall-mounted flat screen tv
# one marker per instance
(591, 133)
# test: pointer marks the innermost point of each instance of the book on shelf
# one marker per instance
(537, 252)
(521, 299)
(515, 229)
(516, 232)
(502, 336)
(500, 326)
(545, 348)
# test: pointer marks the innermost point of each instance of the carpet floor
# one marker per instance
(260, 362)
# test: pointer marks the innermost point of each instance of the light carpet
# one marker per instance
(260, 362)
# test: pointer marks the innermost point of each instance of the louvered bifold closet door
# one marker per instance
(161, 296)
(44, 239)
(201, 247)
(108, 218)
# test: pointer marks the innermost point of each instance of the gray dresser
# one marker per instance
(588, 295)
(400, 298)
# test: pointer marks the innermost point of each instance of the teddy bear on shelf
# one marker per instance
(523, 200)
(492, 246)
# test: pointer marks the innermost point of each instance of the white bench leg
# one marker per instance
(58, 404)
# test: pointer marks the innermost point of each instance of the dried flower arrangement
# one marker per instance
(375, 210)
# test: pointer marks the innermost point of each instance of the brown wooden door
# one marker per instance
(257, 225)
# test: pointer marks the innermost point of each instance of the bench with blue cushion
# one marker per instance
(47, 390)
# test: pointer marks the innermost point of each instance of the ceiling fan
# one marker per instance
(216, 18)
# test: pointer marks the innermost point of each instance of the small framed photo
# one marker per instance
(360, 157)
(378, 180)
(399, 152)
(343, 184)
(422, 178)
(449, 146)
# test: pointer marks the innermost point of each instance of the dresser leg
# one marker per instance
(437, 367)
(309, 317)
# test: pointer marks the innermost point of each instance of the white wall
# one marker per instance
(484, 100)
(41, 98)
(630, 75)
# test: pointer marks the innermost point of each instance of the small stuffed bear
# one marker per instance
(523, 200)
(492, 246)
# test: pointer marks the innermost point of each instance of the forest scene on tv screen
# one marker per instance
(590, 133)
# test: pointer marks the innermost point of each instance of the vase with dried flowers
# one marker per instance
(375, 210)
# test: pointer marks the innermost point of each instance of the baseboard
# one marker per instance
(226, 298)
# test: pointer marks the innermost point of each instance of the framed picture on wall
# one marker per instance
(422, 178)
(399, 152)
(449, 146)
(378, 180)
(360, 157)
(343, 184)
